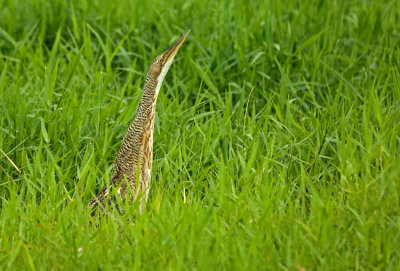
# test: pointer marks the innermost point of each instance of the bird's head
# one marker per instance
(162, 63)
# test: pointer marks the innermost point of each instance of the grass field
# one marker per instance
(276, 145)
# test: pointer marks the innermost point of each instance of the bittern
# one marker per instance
(135, 155)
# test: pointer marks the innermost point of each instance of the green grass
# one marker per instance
(277, 134)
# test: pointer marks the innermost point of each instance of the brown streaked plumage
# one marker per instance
(137, 146)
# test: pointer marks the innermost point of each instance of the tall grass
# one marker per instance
(276, 141)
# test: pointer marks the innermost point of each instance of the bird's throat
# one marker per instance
(161, 77)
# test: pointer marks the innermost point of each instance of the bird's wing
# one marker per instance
(127, 157)
(100, 199)
(125, 165)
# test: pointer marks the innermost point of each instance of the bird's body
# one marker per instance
(136, 152)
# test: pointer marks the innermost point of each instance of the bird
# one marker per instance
(133, 164)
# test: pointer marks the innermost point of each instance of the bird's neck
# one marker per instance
(152, 89)
(161, 76)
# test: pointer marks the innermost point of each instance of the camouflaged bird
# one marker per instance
(137, 146)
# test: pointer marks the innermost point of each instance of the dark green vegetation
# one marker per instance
(276, 142)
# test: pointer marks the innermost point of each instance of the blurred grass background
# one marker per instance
(276, 140)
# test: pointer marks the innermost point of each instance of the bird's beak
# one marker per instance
(171, 52)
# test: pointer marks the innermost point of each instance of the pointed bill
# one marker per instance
(171, 52)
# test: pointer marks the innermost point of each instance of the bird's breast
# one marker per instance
(148, 145)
